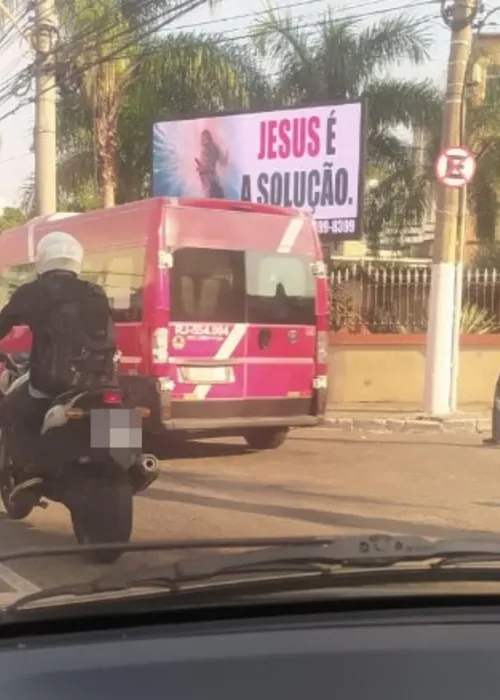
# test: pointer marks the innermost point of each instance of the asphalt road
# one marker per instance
(319, 482)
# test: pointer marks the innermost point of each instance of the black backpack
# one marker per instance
(79, 345)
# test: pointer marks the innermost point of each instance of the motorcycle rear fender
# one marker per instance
(4, 381)
(58, 415)
(19, 381)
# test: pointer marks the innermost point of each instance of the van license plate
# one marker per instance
(207, 375)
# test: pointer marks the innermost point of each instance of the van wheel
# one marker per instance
(266, 438)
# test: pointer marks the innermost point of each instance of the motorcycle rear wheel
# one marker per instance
(103, 514)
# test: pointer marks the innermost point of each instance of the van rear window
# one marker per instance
(217, 286)
(208, 286)
(281, 289)
(121, 274)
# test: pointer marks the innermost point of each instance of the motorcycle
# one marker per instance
(96, 483)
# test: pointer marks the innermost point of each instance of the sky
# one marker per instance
(233, 19)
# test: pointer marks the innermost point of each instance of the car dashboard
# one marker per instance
(391, 654)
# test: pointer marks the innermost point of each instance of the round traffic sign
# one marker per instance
(455, 166)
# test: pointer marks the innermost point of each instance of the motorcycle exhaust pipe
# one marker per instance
(144, 472)
(149, 464)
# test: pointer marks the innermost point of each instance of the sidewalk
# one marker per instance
(405, 418)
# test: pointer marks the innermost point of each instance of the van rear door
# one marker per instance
(281, 313)
(207, 333)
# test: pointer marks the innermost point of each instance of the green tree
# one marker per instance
(185, 75)
(101, 47)
(344, 61)
(180, 76)
(11, 218)
(483, 138)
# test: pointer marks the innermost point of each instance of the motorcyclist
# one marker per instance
(58, 264)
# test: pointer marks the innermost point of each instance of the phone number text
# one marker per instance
(338, 226)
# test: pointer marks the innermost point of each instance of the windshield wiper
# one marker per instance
(343, 561)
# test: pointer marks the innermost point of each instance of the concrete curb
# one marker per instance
(411, 425)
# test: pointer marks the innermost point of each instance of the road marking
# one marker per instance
(18, 583)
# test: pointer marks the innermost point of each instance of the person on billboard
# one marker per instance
(206, 165)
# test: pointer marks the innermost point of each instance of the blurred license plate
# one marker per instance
(207, 375)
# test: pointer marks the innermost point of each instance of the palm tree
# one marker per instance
(100, 46)
(104, 44)
(184, 75)
(178, 76)
(342, 61)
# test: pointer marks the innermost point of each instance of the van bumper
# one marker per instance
(237, 415)
(230, 425)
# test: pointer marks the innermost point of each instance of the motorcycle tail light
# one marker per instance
(111, 398)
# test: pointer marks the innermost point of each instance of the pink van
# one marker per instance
(221, 309)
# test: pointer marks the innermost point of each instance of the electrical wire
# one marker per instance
(16, 158)
(119, 52)
(13, 30)
(93, 37)
(94, 31)
(180, 11)
(258, 13)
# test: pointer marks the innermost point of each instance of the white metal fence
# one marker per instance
(393, 297)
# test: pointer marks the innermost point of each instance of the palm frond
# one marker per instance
(390, 41)
(397, 102)
(398, 202)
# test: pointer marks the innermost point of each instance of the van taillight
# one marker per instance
(322, 347)
(160, 346)
(320, 381)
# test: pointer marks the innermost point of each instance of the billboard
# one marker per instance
(309, 158)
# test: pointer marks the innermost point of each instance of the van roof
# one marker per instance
(131, 224)
(232, 205)
(190, 202)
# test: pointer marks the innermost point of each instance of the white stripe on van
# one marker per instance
(169, 228)
(31, 237)
(224, 353)
(290, 236)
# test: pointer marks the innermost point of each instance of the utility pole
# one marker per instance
(440, 333)
(45, 109)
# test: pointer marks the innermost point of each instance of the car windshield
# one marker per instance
(249, 291)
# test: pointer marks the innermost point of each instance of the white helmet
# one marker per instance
(58, 251)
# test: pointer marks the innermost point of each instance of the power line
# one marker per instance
(119, 53)
(258, 13)
(97, 33)
(193, 4)
(13, 30)
(93, 30)
(15, 158)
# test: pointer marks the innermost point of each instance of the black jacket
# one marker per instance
(30, 306)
